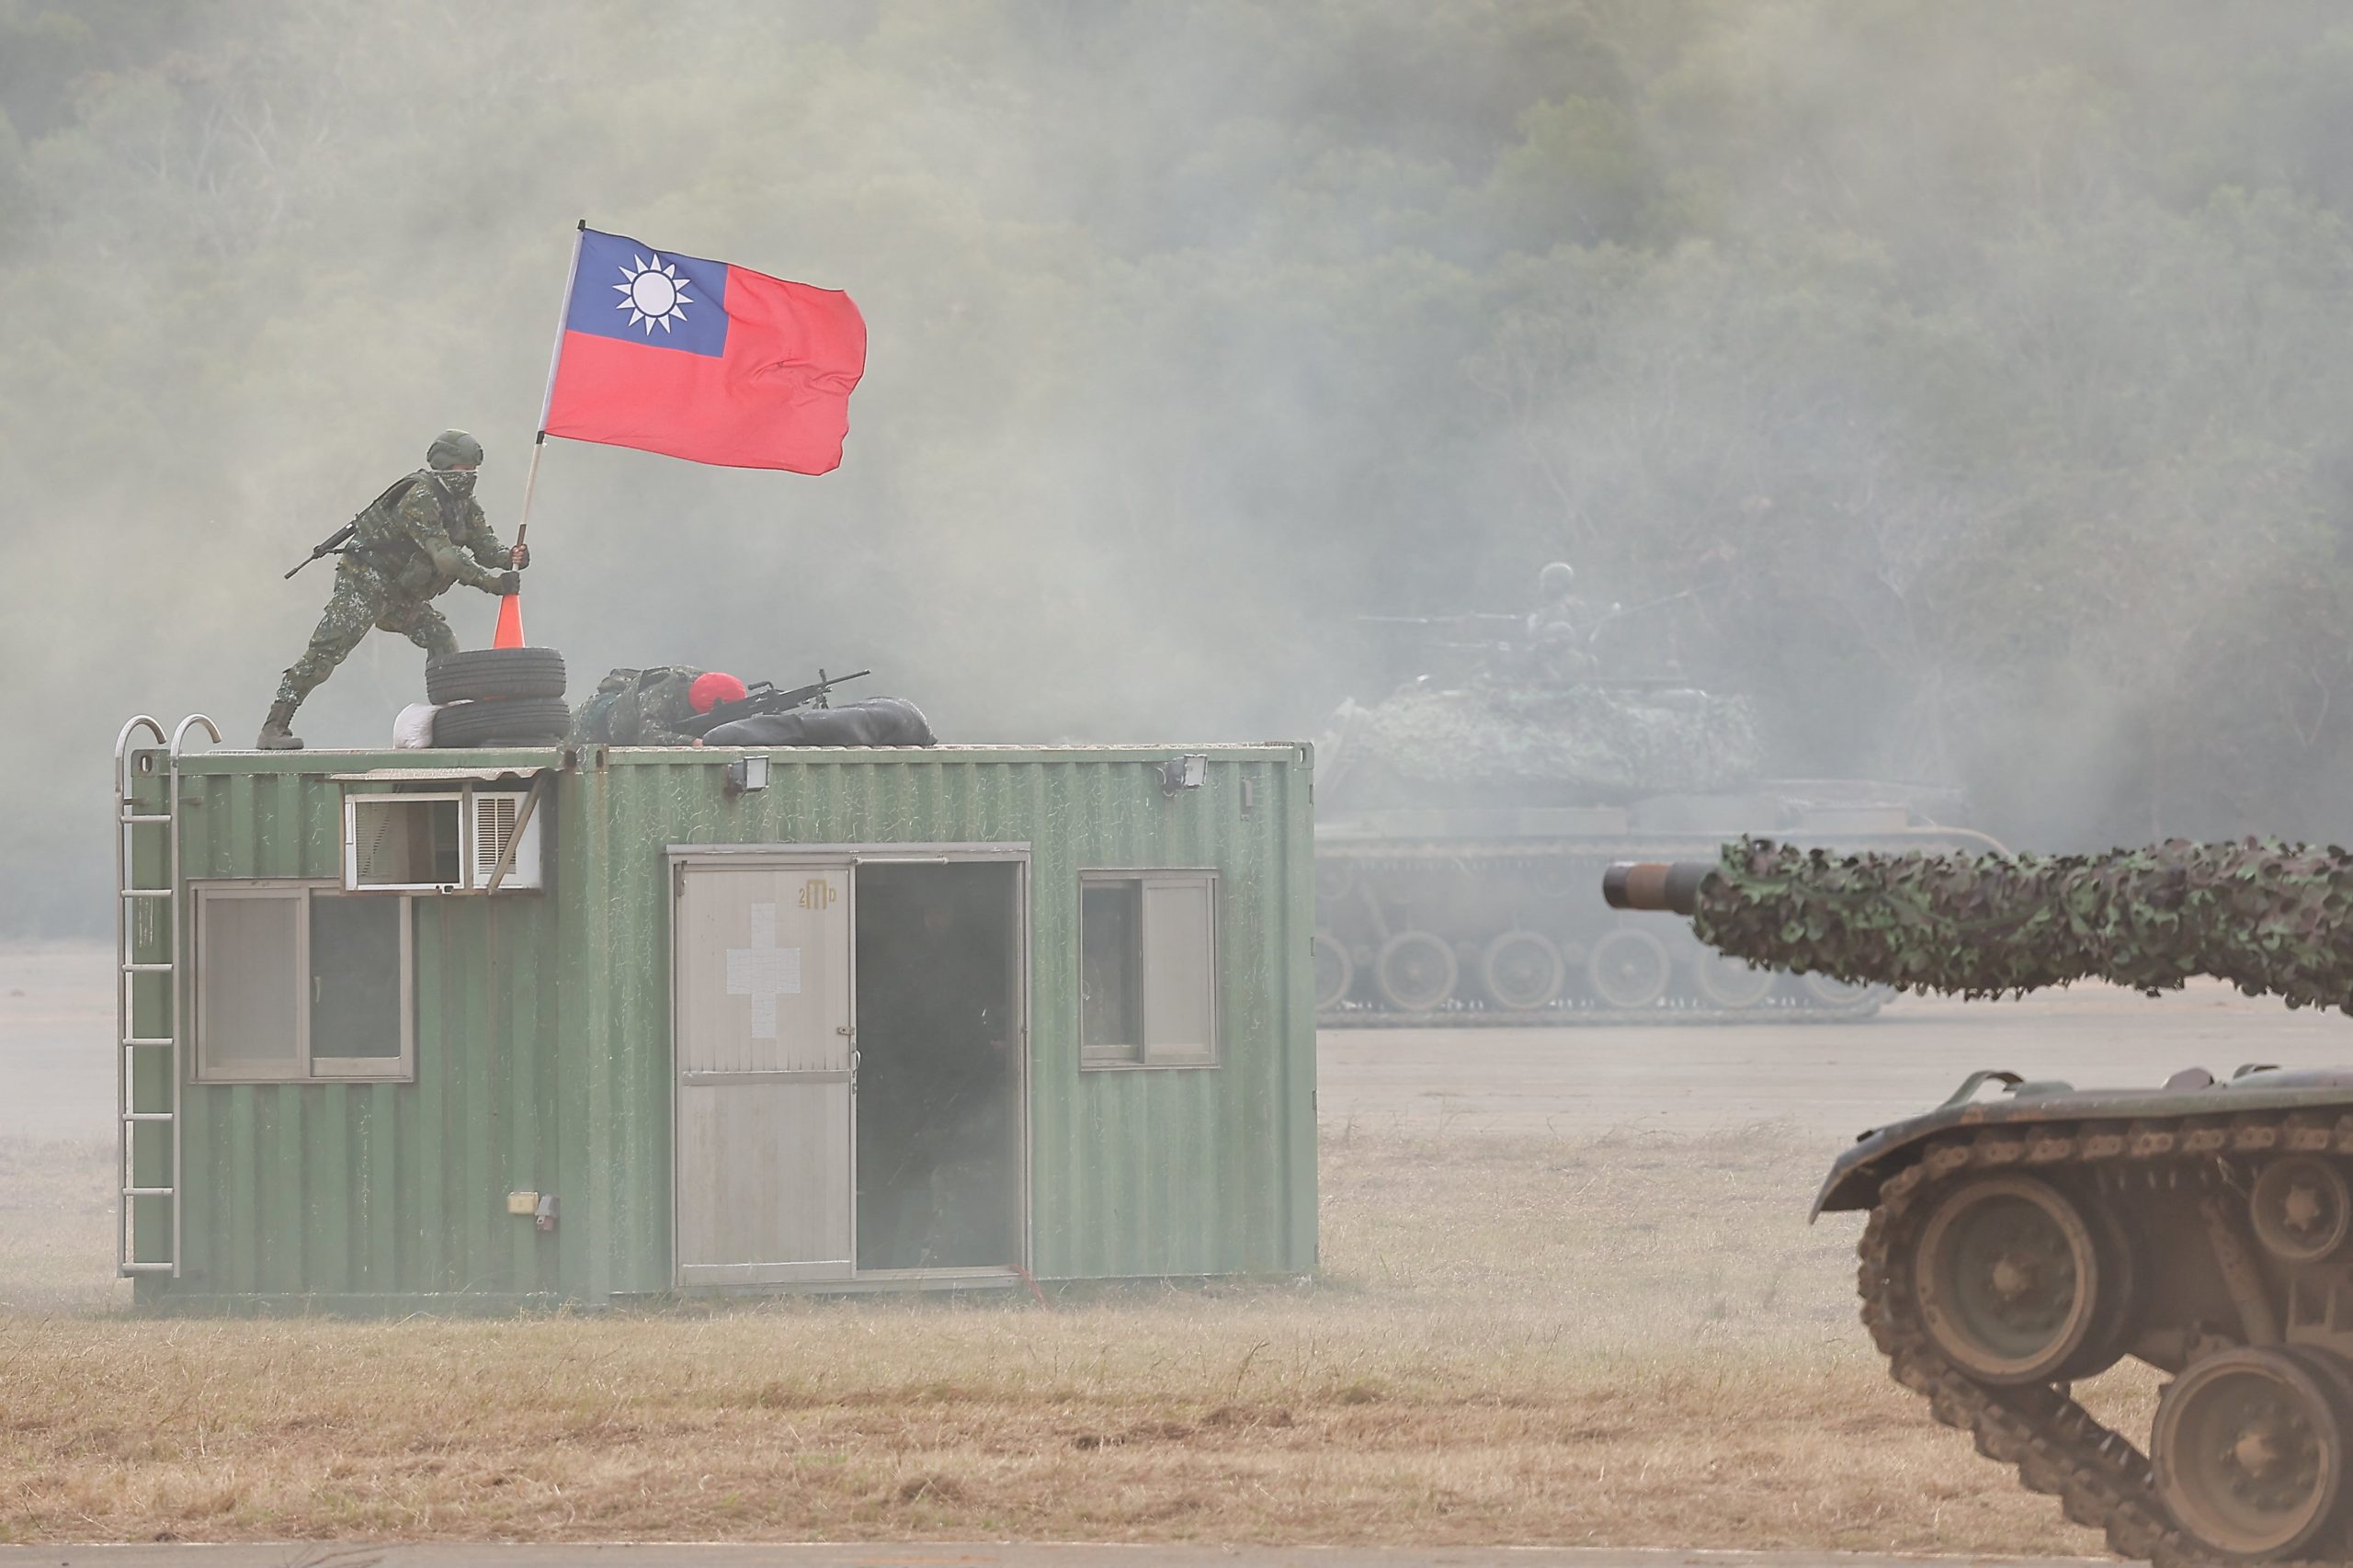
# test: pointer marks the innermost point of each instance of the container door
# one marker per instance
(765, 1062)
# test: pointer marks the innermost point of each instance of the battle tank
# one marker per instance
(1459, 828)
(2022, 1242)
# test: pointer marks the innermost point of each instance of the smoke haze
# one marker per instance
(1980, 377)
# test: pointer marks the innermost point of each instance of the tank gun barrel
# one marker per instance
(1672, 885)
(2270, 918)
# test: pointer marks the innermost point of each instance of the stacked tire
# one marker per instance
(496, 696)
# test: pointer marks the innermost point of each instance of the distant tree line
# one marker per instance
(1978, 377)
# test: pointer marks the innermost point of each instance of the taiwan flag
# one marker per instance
(702, 360)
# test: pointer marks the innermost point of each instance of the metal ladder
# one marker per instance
(137, 934)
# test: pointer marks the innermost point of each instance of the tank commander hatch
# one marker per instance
(1560, 631)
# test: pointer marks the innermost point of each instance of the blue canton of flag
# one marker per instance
(623, 289)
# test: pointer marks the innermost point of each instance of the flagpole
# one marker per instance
(546, 399)
(530, 479)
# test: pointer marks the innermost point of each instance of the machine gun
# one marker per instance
(762, 697)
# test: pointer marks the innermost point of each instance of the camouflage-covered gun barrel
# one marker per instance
(2271, 918)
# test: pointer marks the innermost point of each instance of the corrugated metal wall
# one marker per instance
(543, 1055)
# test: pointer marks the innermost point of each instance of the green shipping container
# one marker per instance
(449, 1029)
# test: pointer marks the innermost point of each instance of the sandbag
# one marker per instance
(413, 726)
(876, 721)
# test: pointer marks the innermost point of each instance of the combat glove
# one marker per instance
(509, 583)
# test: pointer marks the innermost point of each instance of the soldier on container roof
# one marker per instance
(643, 708)
(415, 540)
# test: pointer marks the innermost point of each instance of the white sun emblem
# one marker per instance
(654, 293)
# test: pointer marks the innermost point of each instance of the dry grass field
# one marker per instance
(1630, 1340)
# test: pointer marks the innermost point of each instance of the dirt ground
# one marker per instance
(926, 1554)
(1569, 1298)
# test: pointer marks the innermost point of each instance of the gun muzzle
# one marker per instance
(1655, 884)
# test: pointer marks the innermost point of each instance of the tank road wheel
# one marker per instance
(1415, 971)
(2117, 1311)
(1823, 991)
(1334, 971)
(1335, 878)
(2249, 1451)
(2300, 1208)
(1628, 967)
(1729, 982)
(2008, 1278)
(1522, 970)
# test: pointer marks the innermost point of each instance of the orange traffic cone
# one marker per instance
(510, 622)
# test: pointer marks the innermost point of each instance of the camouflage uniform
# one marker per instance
(637, 708)
(409, 548)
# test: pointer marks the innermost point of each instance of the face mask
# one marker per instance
(459, 482)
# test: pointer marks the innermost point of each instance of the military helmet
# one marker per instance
(1556, 578)
(451, 447)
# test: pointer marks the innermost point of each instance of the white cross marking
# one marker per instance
(764, 972)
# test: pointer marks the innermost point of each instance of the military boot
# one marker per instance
(274, 735)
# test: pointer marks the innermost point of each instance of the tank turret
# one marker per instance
(2023, 1241)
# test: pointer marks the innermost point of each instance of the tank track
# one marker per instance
(2102, 1479)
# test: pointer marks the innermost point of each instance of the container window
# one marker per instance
(1180, 981)
(1148, 969)
(356, 971)
(248, 1014)
(1110, 951)
(297, 981)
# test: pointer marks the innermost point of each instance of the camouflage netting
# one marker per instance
(2268, 917)
(1585, 743)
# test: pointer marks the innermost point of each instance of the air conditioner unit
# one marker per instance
(490, 825)
(439, 843)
